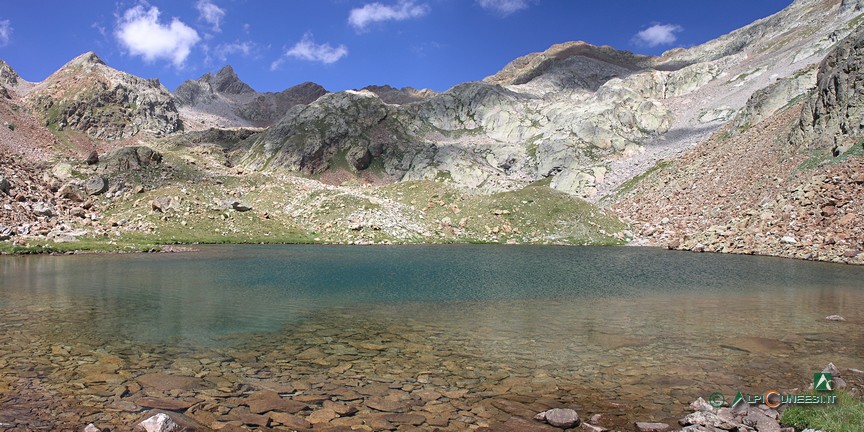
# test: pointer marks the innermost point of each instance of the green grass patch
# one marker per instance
(820, 157)
(847, 415)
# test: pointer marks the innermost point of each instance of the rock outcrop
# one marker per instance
(104, 103)
(834, 116)
(400, 96)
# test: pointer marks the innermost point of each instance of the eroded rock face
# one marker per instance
(834, 116)
(88, 96)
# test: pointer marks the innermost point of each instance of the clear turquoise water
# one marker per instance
(647, 330)
(237, 289)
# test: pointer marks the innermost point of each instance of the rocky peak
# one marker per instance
(226, 81)
(89, 57)
(526, 68)
(8, 76)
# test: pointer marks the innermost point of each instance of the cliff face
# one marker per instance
(104, 103)
(833, 117)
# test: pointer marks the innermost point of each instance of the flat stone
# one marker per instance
(379, 423)
(274, 403)
(165, 403)
(381, 404)
(410, 419)
(651, 427)
(835, 318)
(290, 421)
(342, 410)
(255, 420)
(516, 424)
(323, 415)
(438, 420)
(513, 408)
(166, 382)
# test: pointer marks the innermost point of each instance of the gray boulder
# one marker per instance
(96, 185)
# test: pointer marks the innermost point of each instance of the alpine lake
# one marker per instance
(409, 337)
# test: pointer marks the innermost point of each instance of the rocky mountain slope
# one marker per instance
(789, 184)
(223, 100)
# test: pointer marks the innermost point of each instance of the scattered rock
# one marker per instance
(830, 368)
(96, 185)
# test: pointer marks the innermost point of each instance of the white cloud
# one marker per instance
(505, 7)
(210, 13)
(245, 49)
(370, 13)
(658, 34)
(5, 32)
(140, 32)
(308, 50)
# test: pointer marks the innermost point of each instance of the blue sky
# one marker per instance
(344, 44)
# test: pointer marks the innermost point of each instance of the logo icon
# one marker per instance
(716, 399)
(822, 381)
(739, 399)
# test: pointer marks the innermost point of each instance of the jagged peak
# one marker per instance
(226, 81)
(8, 76)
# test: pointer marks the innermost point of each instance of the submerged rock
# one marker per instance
(559, 417)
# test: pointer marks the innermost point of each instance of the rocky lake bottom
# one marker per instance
(409, 338)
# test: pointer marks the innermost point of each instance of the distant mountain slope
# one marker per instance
(583, 118)
(223, 100)
(102, 102)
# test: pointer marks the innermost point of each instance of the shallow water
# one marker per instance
(634, 334)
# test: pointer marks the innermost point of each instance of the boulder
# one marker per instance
(92, 159)
(130, 158)
(96, 185)
(162, 204)
(4, 185)
(43, 209)
(560, 417)
(835, 318)
(91, 428)
(158, 423)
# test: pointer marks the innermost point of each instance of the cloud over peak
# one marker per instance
(210, 13)
(308, 50)
(657, 34)
(5, 32)
(505, 7)
(141, 34)
(360, 18)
